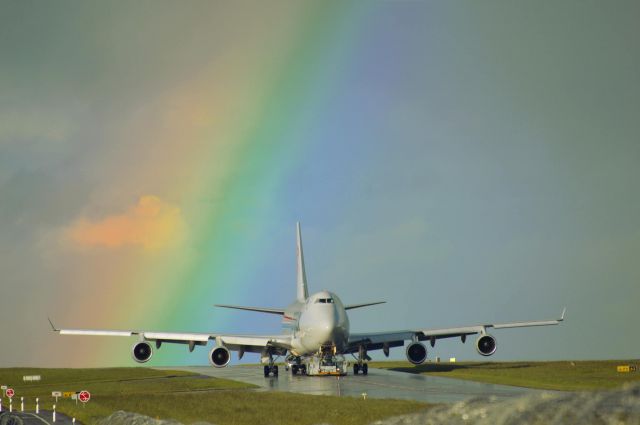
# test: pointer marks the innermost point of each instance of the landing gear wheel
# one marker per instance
(267, 369)
(294, 369)
(356, 368)
(303, 369)
(274, 369)
(365, 369)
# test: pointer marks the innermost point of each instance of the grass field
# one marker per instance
(189, 398)
(556, 375)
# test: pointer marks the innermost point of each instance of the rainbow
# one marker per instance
(223, 142)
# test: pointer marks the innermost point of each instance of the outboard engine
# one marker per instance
(416, 353)
(486, 345)
(141, 352)
(219, 356)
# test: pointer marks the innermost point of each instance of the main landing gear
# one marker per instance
(364, 368)
(361, 366)
(268, 370)
(271, 368)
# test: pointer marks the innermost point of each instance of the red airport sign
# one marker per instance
(10, 392)
(84, 396)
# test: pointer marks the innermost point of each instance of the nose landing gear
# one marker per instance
(302, 369)
(296, 365)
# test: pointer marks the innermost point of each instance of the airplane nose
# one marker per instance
(325, 326)
(329, 329)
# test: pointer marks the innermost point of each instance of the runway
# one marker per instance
(379, 383)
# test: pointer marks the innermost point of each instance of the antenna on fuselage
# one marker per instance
(301, 281)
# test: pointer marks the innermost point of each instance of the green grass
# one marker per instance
(556, 375)
(188, 398)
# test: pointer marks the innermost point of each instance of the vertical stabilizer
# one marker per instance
(301, 282)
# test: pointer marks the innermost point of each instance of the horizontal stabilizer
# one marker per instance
(352, 306)
(258, 309)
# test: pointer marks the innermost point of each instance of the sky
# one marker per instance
(468, 162)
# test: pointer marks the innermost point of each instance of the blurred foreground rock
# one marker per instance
(621, 406)
(615, 407)
(127, 418)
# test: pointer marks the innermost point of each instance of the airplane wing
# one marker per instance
(352, 306)
(242, 343)
(258, 309)
(384, 340)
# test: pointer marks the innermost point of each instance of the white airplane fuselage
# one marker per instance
(319, 323)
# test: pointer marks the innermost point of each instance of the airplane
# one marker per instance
(316, 335)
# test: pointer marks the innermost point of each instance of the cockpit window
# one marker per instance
(324, 300)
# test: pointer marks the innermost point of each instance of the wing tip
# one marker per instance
(564, 310)
(53, 327)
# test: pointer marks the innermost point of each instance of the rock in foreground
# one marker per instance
(127, 418)
(614, 407)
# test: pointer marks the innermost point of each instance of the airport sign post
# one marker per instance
(9, 393)
(3, 388)
(84, 396)
(56, 394)
(31, 378)
(626, 368)
(37, 406)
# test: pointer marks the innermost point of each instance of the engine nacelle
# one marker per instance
(219, 356)
(416, 353)
(486, 345)
(141, 352)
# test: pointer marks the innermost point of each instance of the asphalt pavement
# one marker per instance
(30, 418)
(379, 383)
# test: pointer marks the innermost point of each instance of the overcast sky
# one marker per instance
(469, 162)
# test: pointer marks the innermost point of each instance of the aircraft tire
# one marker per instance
(266, 371)
(275, 370)
(356, 369)
(365, 369)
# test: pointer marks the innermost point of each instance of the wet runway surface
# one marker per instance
(379, 383)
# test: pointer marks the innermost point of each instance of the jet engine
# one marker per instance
(416, 353)
(219, 356)
(486, 345)
(141, 352)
